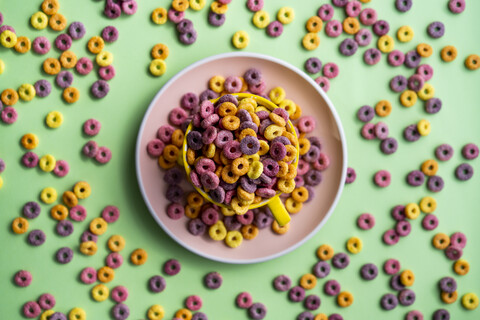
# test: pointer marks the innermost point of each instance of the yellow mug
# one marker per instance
(274, 204)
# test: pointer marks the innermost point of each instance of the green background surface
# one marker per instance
(122, 111)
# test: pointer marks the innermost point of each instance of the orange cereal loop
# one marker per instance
(23, 45)
(407, 278)
(9, 97)
(292, 171)
(50, 7)
(472, 62)
(297, 114)
(280, 230)
(195, 199)
(325, 252)
(57, 22)
(303, 145)
(51, 66)
(70, 199)
(448, 53)
(430, 167)
(249, 231)
(461, 267)
(177, 138)
(71, 95)
(98, 226)
(240, 166)
(88, 248)
(192, 212)
(282, 169)
(95, 45)
(184, 314)
(218, 171)
(116, 243)
(218, 8)
(351, 25)
(441, 241)
(244, 85)
(105, 274)
(344, 299)
(300, 194)
(228, 176)
(59, 212)
(68, 59)
(138, 257)
(19, 225)
(449, 298)
(180, 5)
(191, 156)
(165, 164)
(321, 316)
(383, 108)
(227, 109)
(314, 24)
(231, 123)
(29, 141)
(171, 152)
(308, 281)
(160, 51)
(424, 50)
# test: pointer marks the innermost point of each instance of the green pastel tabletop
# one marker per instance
(115, 183)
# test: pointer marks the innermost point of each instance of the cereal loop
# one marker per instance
(9, 97)
(29, 141)
(51, 66)
(314, 24)
(448, 53)
(405, 34)
(308, 281)
(351, 25)
(424, 50)
(98, 226)
(441, 241)
(311, 41)
(412, 211)
(461, 267)
(20, 225)
(48, 195)
(386, 43)
(95, 45)
(344, 299)
(159, 16)
(240, 39)
(160, 51)
(50, 7)
(180, 5)
(57, 22)
(82, 190)
(59, 212)
(138, 257)
(116, 243)
(354, 245)
(278, 229)
(100, 292)
(383, 108)
(472, 62)
(71, 94)
(325, 252)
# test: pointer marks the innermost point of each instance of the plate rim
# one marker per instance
(242, 55)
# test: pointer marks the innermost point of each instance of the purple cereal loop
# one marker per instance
(464, 172)
(107, 73)
(372, 56)
(100, 89)
(206, 109)
(64, 228)
(110, 214)
(369, 271)
(381, 27)
(46, 301)
(231, 223)
(396, 58)
(340, 260)
(64, 79)
(218, 195)
(165, 132)
(412, 59)
(188, 37)
(448, 285)
(389, 301)
(441, 314)
(42, 88)
(348, 47)
(398, 83)
(88, 275)
(36, 237)
(396, 284)
(119, 294)
(411, 133)
(63, 42)
(110, 34)
(368, 16)
(321, 269)
(312, 302)
(470, 151)
(426, 71)
(174, 176)
(331, 288)
(175, 193)
(88, 236)
(31, 210)
(216, 19)
(248, 184)
(114, 260)
(435, 183)
(406, 297)
(112, 10)
(389, 145)
(184, 26)
(296, 294)
(312, 156)
(274, 29)
(64, 255)
(282, 283)
(157, 284)
(84, 66)
(41, 45)
(104, 155)
(325, 12)
(366, 221)
(193, 303)
(403, 5)
(398, 213)
(90, 149)
(172, 267)
(365, 113)
(203, 165)
(403, 228)
(415, 82)
(257, 311)
(458, 239)
(6, 27)
(189, 101)
(30, 159)
(277, 150)
(351, 175)
(208, 95)
(436, 29)
(213, 280)
(120, 311)
(76, 30)
(247, 218)
(253, 77)
(22, 278)
(430, 222)
(363, 37)
(340, 3)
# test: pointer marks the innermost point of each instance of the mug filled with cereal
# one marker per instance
(241, 152)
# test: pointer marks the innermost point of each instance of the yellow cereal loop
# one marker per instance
(39, 20)
(23, 45)
(54, 119)
(88, 248)
(100, 292)
(157, 67)
(408, 98)
(116, 243)
(156, 312)
(255, 170)
(472, 62)
(286, 185)
(180, 5)
(427, 92)
(217, 231)
(385, 43)
(160, 51)
(26, 92)
(461, 267)
(303, 145)
(311, 41)
(354, 245)
(50, 6)
(159, 16)
(29, 141)
(424, 50)
(291, 153)
(308, 281)
(1, 182)
(197, 4)
(238, 207)
(77, 314)
(8, 39)
(289, 106)
(82, 190)
(405, 34)
(48, 195)
(293, 206)
(227, 211)
(277, 95)
(20, 225)
(261, 19)
(412, 211)
(470, 301)
(47, 163)
(314, 24)
(216, 84)
(407, 278)
(428, 204)
(104, 59)
(278, 229)
(218, 8)
(2, 66)
(98, 226)
(448, 53)
(273, 131)
(285, 15)
(344, 299)
(233, 238)
(240, 39)
(46, 314)
(424, 127)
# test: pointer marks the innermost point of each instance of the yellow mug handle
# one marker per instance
(278, 210)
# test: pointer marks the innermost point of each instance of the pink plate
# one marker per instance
(299, 88)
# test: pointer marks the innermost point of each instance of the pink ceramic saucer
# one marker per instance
(299, 88)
